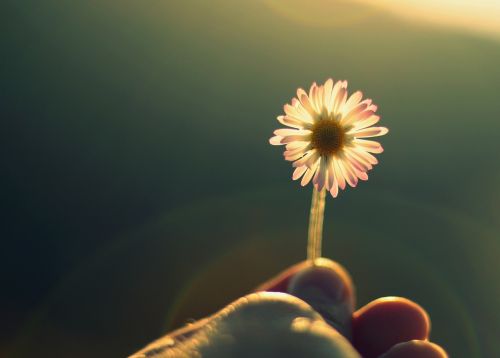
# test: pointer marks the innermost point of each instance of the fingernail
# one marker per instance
(328, 289)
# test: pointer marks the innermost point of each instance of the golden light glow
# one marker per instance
(477, 16)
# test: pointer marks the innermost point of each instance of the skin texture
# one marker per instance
(305, 311)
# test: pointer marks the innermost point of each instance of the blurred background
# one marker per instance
(139, 190)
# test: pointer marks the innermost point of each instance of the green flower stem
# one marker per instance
(315, 232)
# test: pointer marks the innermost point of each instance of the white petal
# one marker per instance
(319, 98)
(311, 89)
(309, 174)
(293, 138)
(368, 145)
(339, 101)
(293, 122)
(331, 175)
(307, 159)
(353, 114)
(358, 117)
(334, 191)
(357, 161)
(288, 132)
(304, 100)
(300, 92)
(297, 145)
(292, 156)
(297, 112)
(335, 93)
(360, 173)
(366, 156)
(276, 140)
(320, 176)
(352, 101)
(350, 177)
(298, 172)
(370, 121)
(370, 132)
(327, 95)
(313, 97)
(295, 154)
(338, 174)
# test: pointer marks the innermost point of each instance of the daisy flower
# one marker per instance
(326, 138)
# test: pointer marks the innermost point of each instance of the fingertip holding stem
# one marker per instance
(327, 287)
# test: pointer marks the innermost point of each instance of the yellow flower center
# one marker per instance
(328, 136)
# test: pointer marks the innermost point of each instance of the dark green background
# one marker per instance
(139, 189)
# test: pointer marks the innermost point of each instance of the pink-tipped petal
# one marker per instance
(292, 156)
(307, 177)
(284, 132)
(298, 172)
(327, 95)
(297, 145)
(362, 175)
(311, 89)
(295, 154)
(308, 159)
(334, 191)
(350, 177)
(366, 156)
(338, 174)
(371, 132)
(370, 121)
(298, 150)
(315, 158)
(352, 154)
(306, 103)
(369, 145)
(352, 101)
(276, 140)
(293, 122)
(297, 112)
(357, 162)
(340, 99)
(353, 114)
(319, 98)
(359, 173)
(309, 174)
(293, 138)
(300, 92)
(331, 175)
(320, 176)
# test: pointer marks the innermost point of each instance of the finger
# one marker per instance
(279, 283)
(271, 324)
(416, 349)
(386, 322)
(327, 287)
(263, 324)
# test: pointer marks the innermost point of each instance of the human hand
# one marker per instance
(306, 311)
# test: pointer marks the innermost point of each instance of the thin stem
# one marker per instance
(315, 232)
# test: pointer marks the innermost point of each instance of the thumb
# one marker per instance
(326, 286)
